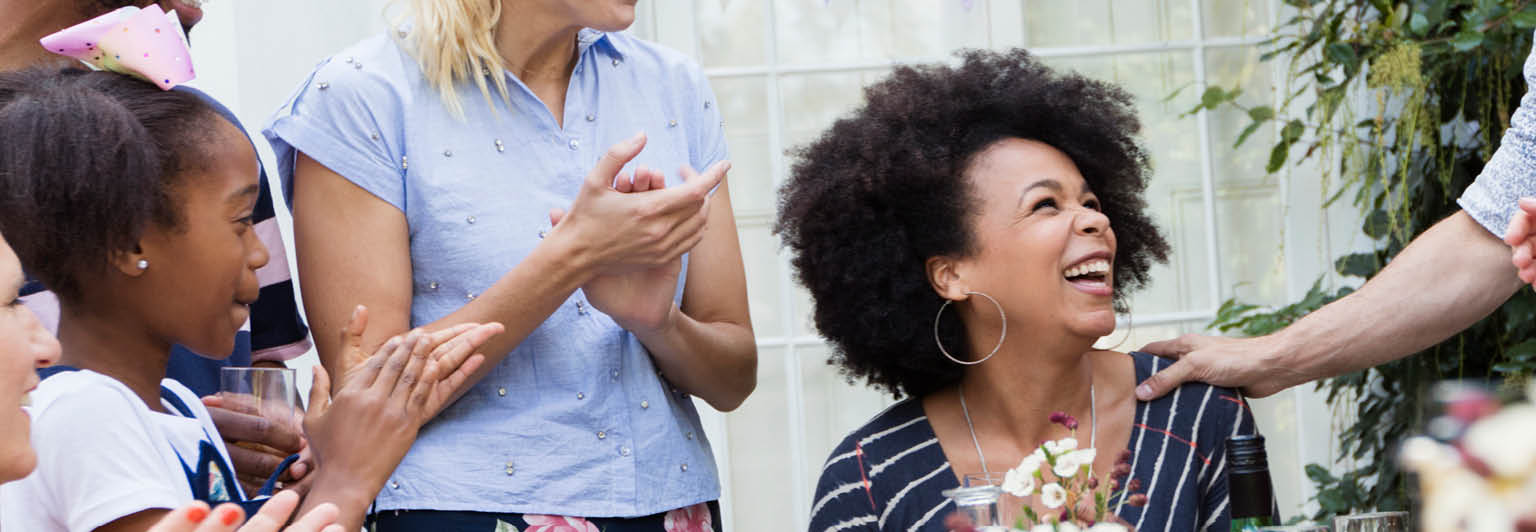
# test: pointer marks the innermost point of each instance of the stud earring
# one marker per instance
(143, 264)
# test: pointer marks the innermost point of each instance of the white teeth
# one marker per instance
(1092, 266)
(26, 399)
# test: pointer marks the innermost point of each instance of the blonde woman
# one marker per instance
(481, 162)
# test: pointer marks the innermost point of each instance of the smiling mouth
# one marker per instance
(1095, 270)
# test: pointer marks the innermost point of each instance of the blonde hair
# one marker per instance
(454, 41)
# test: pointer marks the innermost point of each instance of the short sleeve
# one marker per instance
(98, 460)
(707, 145)
(349, 117)
(1511, 173)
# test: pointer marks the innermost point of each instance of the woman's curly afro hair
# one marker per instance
(884, 189)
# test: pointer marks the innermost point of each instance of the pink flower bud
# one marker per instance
(1121, 471)
(1137, 500)
(1093, 483)
(1125, 457)
(1114, 484)
(1065, 515)
(1135, 485)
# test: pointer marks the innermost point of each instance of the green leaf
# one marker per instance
(1277, 157)
(1361, 265)
(1261, 113)
(1467, 40)
(1213, 97)
(503, 526)
(1252, 127)
(1292, 131)
(1525, 19)
(1418, 24)
(1343, 54)
(1377, 224)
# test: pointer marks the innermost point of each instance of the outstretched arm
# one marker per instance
(1445, 280)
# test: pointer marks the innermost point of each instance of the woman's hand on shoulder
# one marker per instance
(612, 232)
(196, 517)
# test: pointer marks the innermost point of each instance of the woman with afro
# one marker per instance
(967, 235)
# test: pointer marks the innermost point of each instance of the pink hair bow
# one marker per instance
(148, 43)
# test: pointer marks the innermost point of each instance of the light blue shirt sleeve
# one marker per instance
(708, 144)
(349, 120)
(1511, 173)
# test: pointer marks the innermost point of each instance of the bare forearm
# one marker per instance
(1448, 278)
(716, 361)
(351, 496)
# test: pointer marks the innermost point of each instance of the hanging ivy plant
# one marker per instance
(1400, 104)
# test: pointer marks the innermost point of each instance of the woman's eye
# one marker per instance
(1048, 203)
(1093, 204)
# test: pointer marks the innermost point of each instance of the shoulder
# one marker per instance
(374, 71)
(1202, 414)
(655, 58)
(73, 394)
(889, 432)
(890, 468)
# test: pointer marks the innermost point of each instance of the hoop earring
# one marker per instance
(1000, 339)
(1130, 322)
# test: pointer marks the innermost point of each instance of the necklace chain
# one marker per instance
(1093, 424)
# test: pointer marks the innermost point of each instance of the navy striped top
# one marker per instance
(889, 474)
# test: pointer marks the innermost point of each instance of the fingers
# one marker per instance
(1528, 205)
(224, 518)
(1174, 348)
(319, 392)
(184, 519)
(352, 338)
(624, 183)
(618, 155)
(1519, 227)
(555, 215)
(414, 368)
(1162, 382)
(397, 359)
(448, 386)
(273, 513)
(649, 179)
(325, 515)
(435, 340)
(277, 434)
(258, 465)
(1522, 256)
(706, 181)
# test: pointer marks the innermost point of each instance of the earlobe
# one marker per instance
(945, 278)
(131, 263)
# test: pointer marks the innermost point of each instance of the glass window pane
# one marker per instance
(731, 33)
(816, 31)
(746, 132)
(1053, 23)
(760, 490)
(833, 406)
(1239, 67)
(1250, 224)
(1161, 84)
(1235, 18)
(760, 258)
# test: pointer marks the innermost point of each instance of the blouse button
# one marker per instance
(624, 451)
(470, 220)
(690, 434)
(374, 136)
(645, 404)
(542, 233)
(671, 123)
(615, 374)
(685, 468)
(324, 85)
(447, 153)
(615, 62)
(575, 144)
(706, 104)
(469, 296)
(501, 392)
(432, 285)
(601, 435)
(581, 308)
(500, 147)
(394, 485)
(591, 118)
(580, 396)
(510, 469)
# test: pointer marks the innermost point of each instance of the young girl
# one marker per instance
(134, 205)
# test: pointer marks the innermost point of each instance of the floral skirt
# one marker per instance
(702, 517)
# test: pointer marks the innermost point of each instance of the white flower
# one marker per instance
(1061, 446)
(1506, 441)
(1104, 526)
(1043, 527)
(1068, 526)
(1053, 495)
(1020, 482)
(1422, 454)
(1070, 463)
(1030, 464)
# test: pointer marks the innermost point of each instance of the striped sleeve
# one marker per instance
(843, 499)
(1233, 418)
(278, 334)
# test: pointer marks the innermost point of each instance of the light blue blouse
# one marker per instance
(577, 420)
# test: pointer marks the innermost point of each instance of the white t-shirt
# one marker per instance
(102, 454)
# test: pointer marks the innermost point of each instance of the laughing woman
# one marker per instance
(1004, 198)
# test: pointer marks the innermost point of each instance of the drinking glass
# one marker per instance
(1372, 522)
(1008, 508)
(271, 393)
(1299, 527)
